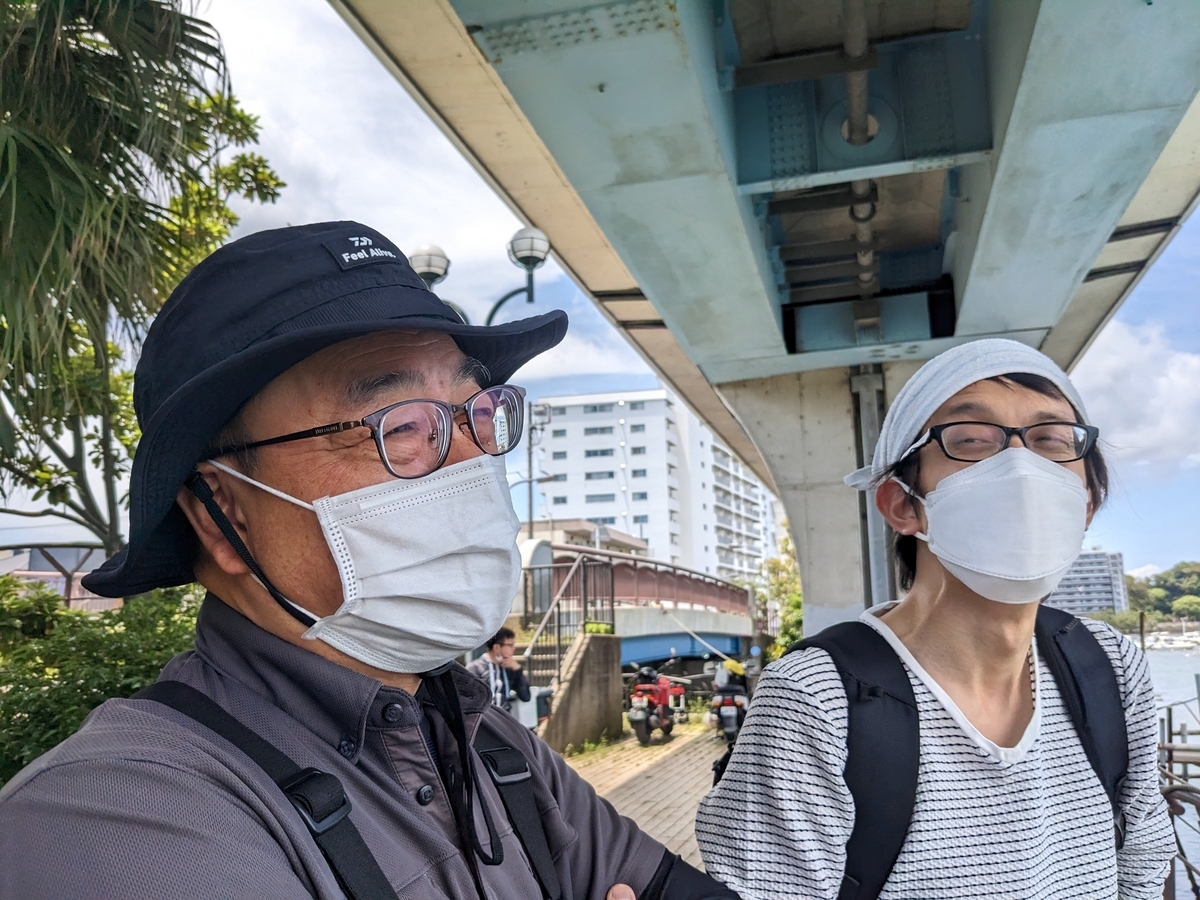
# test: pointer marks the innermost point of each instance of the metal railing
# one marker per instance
(583, 595)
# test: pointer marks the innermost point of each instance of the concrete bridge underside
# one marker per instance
(787, 205)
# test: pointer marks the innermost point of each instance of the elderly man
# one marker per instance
(321, 450)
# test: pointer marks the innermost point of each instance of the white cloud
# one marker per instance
(1145, 571)
(1145, 397)
(351, 144)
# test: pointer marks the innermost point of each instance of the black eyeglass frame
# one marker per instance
(449, 410)
(934, 435)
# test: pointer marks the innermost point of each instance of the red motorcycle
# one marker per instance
(656, 701)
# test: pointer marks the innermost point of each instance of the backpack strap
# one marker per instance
(1089, 689)
(883, 750)
(317, 796)
(510, 773)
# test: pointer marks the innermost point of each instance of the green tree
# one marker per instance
(1187, 606)
(1182, 578)
(63, 432)
(98, 129)
(50, 682)
(780, 595)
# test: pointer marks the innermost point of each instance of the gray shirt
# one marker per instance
(143, 802)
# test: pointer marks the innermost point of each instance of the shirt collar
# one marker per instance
(334, 702)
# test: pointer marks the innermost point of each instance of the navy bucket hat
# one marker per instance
(245, 315)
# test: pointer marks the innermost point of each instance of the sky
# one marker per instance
(351, 144)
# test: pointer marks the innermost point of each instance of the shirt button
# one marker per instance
(393, 712)
(347, 748)
(425, 795)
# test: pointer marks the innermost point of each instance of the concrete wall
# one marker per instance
(589, 701)
(804, 427)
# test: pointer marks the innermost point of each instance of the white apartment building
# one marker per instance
(644, 463)
(1095, 582)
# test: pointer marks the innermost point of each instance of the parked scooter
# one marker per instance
(656, 701)
(731, 698)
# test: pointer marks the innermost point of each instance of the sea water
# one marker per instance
(1174, 675)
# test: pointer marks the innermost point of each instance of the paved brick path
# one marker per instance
(659, 786)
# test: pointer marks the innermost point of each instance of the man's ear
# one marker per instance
(211, 539)
(899, 509)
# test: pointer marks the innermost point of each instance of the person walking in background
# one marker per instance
(500, 669)
(966, 741)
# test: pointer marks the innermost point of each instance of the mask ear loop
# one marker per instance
(919, 535)
(199, 487)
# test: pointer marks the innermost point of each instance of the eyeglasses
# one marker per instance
(1060, 442)
(413, 436)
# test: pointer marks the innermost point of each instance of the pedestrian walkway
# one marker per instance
(659, 786)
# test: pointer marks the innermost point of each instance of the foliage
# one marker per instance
(60, 429)
(1187, 606)
(1144, 597)
(780, 591)
(1129, 621)
(49, 683)
(28, 609)
(98, 128)
(1159, 592)
(597, 628)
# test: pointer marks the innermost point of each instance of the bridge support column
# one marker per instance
(804, 426)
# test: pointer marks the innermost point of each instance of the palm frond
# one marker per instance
(97, 132)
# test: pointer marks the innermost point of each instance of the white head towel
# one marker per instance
(943, 377)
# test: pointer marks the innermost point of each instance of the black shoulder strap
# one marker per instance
(510, 773)
(317, 796)
(1088, 685)
(883, 750)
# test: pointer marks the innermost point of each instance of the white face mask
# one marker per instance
(429, 566)
(1008, 527)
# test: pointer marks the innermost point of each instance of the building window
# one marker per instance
(559, 501)
(636, 451)
(559, 432)
(639, 495)
(638, 404)
(600, 498)
(597, 476)
(561, 476)
(597, 407)
(590, 453)
(558, 410)
(637, 429)
(600, 429)
(560, 454)
(641, 520)
(638, 473)
(604, 520)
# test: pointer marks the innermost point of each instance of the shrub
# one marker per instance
(50, 681)
(28, 609)
(1187, 606)
(1127, 621)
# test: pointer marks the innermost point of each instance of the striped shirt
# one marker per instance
(1030, 821)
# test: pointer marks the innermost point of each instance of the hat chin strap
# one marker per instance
(198, 486)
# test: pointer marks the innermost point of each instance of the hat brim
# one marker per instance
(162, 545)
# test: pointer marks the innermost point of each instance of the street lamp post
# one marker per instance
(538, 416)
(527, 249)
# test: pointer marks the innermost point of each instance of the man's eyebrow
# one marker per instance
(368, 389)
(970, 408)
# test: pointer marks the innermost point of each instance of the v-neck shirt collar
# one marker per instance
(1000, 754)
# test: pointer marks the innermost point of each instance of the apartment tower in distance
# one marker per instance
(1094, 583)
(643, 463)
